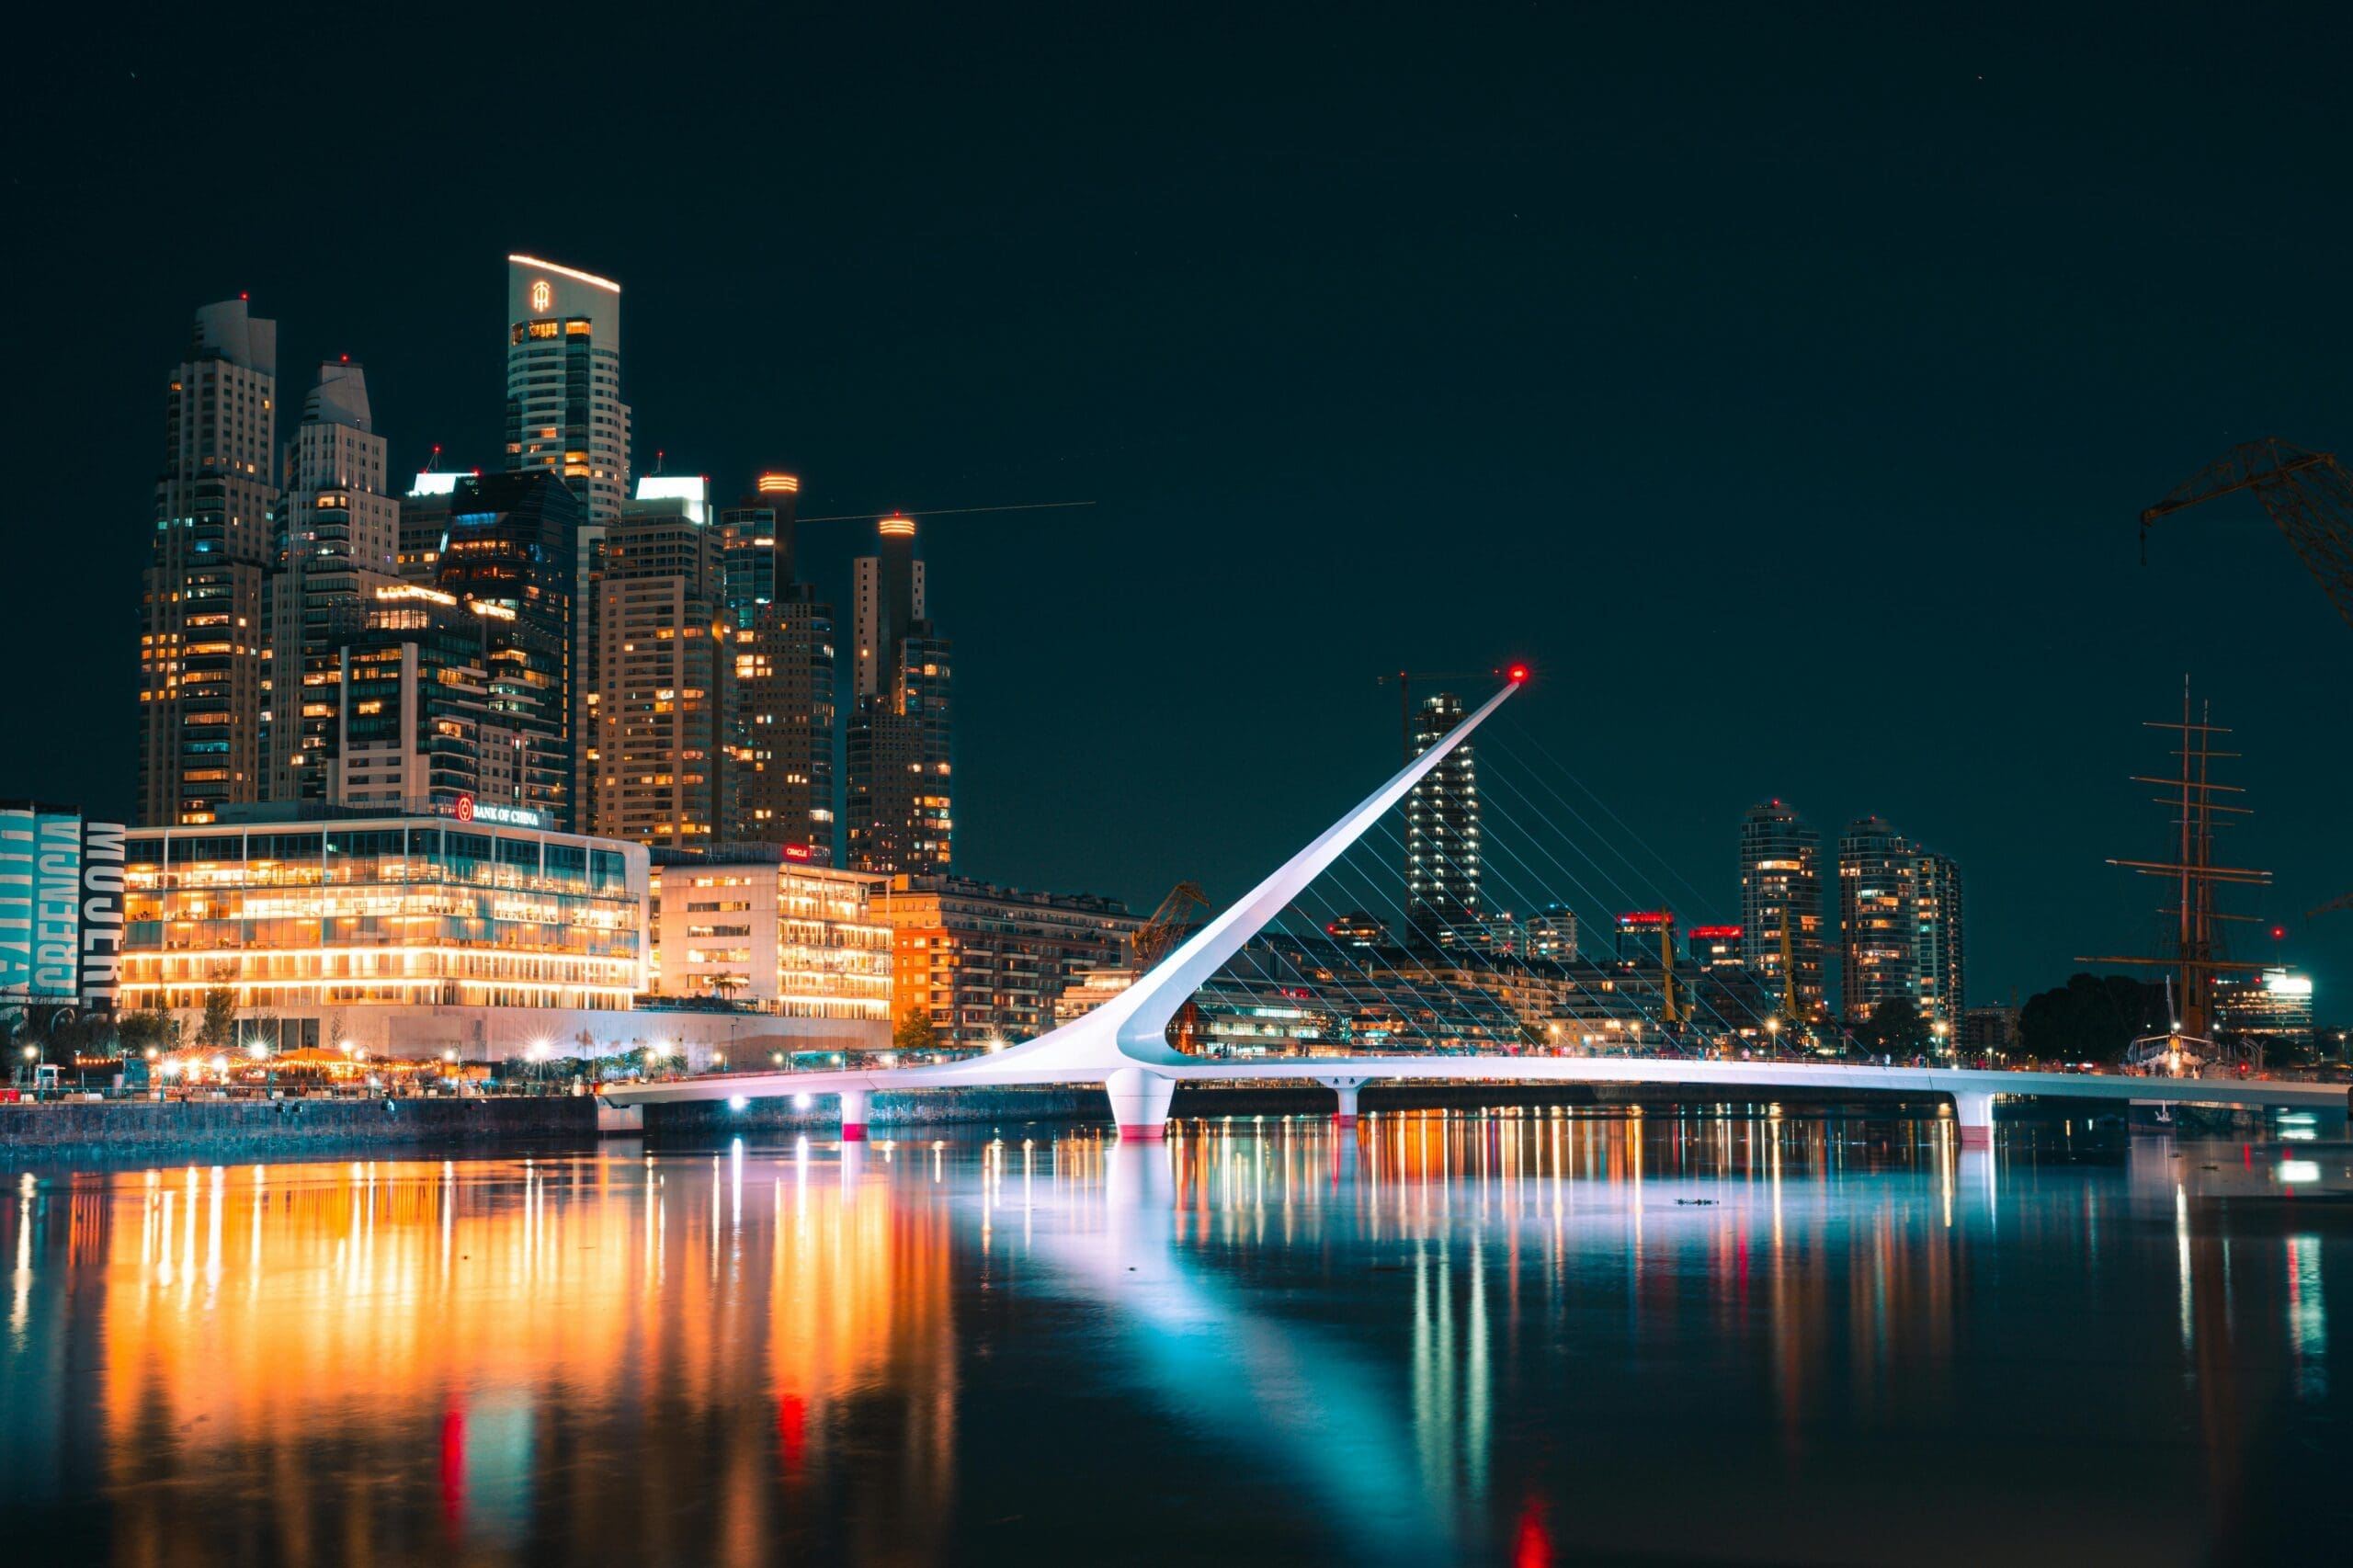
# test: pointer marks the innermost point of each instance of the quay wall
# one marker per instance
(255, 1128)
(236, 1128)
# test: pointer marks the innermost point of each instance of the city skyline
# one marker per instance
(2012, 520)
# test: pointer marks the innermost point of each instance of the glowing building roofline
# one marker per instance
(562, 271)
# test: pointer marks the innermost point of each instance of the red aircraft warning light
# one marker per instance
(1516, 674)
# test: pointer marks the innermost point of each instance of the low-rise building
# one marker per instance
(759, 925)
(985, 963)
(341, 918)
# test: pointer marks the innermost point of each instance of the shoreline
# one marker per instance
(92, 1133)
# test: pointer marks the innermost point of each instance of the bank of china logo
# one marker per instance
(542, 295)
(466, 802)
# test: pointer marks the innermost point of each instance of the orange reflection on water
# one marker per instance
(337, 1340)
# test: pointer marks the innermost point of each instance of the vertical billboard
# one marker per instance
(18, 863)
(57, 904)
(102, 914)
(61, 907)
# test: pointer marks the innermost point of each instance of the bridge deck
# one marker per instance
(1355, 1072)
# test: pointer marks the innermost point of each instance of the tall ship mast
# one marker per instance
(2198, 950)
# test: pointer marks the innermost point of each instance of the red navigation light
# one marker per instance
(1516, 674)
(2278, 933)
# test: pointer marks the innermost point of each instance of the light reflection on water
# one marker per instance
(1673, 1336)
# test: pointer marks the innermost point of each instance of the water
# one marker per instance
(1526, 1338)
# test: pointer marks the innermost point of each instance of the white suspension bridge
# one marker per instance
(1122, 1045)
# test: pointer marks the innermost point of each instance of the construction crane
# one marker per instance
(1405, 679)
(2308, 494)
(1168, 923)
(1156, 938)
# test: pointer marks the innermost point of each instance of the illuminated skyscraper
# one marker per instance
(337, 541)
(565, 412)
(781, 726)
(1442, 835)
(1899, 925)
(565, 416)
(201, 638)
(1780, 905)
(510, 546)
(901, 816)
(666, 663)
(1937, 937)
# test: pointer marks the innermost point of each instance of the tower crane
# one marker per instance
(1157, 937)
(2309, 497)
(2307, 494)
(1167, 924)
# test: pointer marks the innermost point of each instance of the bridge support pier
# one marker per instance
(853, 1116)
(1974, 1112)
(1139, 1104)
(1345, 1116)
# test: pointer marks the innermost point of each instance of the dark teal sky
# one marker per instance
(1783, 383)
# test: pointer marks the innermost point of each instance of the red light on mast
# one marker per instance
(1516, 674)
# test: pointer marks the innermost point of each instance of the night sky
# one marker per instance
(1784, 390)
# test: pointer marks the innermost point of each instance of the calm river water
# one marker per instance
(1525, 1339)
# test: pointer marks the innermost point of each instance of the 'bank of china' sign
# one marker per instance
(468, 808)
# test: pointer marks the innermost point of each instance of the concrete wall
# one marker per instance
(479, 1034)
(211, 1130)
(896, 1114)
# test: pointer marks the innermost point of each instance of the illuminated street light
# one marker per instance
(257, 1049)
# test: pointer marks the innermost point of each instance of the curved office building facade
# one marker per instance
(299, 918)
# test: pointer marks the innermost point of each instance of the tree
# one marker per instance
(146, 1029)
(1895, 1027)
(916, 1031)
(219, 1029)
(2091, 1018)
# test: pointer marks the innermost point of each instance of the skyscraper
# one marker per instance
(511, 548)
(1780, 907)
(665, 667)
(781, 729)
(201, 643)
(900, 816)
(415, 723)
(565, 416)
(1937, 938)
(1442, 835)
(1875, 899)
(1900, 925)
(565, 412)
(337, 541)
